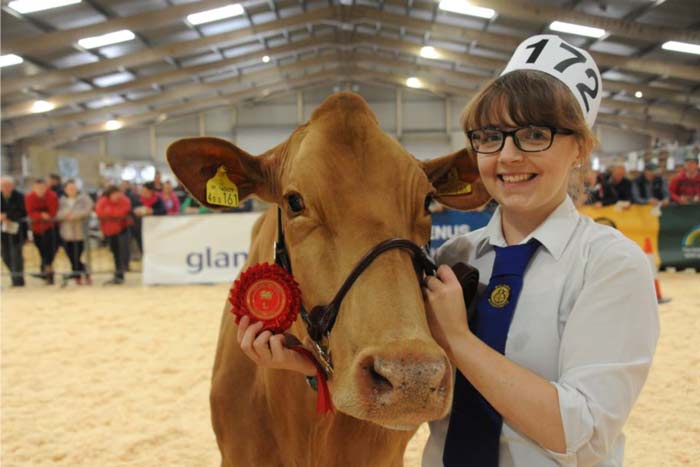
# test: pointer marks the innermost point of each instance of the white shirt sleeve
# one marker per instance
(606, 350)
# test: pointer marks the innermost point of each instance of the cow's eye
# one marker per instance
(295, 203)
(428, 202)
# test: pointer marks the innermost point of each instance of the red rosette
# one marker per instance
(268, 293)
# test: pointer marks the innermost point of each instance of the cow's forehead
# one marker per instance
(353, 151)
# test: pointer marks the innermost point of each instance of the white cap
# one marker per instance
(569, 64)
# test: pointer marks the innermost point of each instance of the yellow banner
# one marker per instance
(637, 222)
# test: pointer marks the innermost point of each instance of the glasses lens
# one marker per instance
(534, 138)
(486, 141)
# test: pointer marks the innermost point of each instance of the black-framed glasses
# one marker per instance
(527, 139)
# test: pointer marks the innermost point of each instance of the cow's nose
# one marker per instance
(395, 378)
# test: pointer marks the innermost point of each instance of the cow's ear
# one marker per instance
(196, 161)
(456, 180)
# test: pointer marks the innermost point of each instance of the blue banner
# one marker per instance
(448, 224)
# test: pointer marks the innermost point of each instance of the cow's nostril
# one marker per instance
(379, 382)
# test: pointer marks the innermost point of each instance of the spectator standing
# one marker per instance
(649, 187)
(149, 203)
(620, 185)
(42, 206)
(157, 181)
(135, 225)
(13, 231)
(113, 209)
(73, 211)
(56, 185)
(685, 186)
(170, 200)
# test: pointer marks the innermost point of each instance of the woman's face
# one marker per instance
(529, 182)
(71, 190)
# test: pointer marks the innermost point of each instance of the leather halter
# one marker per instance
(320, 321)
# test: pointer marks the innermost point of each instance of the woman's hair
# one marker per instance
(528, 97)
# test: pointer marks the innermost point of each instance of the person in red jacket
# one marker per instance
(42, 205)
(113, 209)
(685, 185)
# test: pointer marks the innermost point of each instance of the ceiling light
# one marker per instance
(266, 59)
(42, 106)
(112, 125)
(214, 15)
(429, 52)
(577, 29)
(30, 6)
(414, 82)
(110, 38)
(639, 94)
(462, 7)
(10, 59)
(682, 47)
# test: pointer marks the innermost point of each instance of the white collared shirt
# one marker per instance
(586, 320)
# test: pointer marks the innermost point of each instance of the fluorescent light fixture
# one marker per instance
(577, 29)
(30, 6)
(596, 163)
(429, 52)
(112, 125)
(639, 94)
(42, 106)
(464, 8)
(112, 79)
(10, 59)
(414, 82)
(266, 59)
(682, 47)
(110, 38)
(215, 15)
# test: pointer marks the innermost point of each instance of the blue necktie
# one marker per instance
(475, 427)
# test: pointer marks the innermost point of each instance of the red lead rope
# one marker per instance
(324, 403)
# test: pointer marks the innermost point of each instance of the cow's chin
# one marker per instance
(405, 415)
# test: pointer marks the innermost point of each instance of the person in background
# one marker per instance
(685, 185)
(73, 211)
(131, 192)
(170, 200)
(42, 206)
(113, 209)
(649, 187)
(55, 184)
(149, 203)
(157, 181)
(13, 229)
(619, 183)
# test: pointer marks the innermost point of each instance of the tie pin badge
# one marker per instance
(499, 296)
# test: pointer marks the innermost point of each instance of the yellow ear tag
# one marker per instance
(452, 185)
(221, 190)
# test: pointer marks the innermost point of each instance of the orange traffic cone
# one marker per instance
(652, 262)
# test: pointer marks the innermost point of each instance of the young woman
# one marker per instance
(73, 210)
(552, 381)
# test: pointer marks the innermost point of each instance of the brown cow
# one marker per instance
(359, 187)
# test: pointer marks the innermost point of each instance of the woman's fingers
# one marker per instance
(261, 344)
(242, 326)
(249, 338)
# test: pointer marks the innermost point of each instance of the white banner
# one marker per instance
(196, 249)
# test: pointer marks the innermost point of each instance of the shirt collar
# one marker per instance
(554, 233)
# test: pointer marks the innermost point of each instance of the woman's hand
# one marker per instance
(268, 350)
(444, 303)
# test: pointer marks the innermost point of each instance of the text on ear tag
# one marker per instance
(221, 191)
(451, 185)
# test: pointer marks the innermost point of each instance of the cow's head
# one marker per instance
(344, 186)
